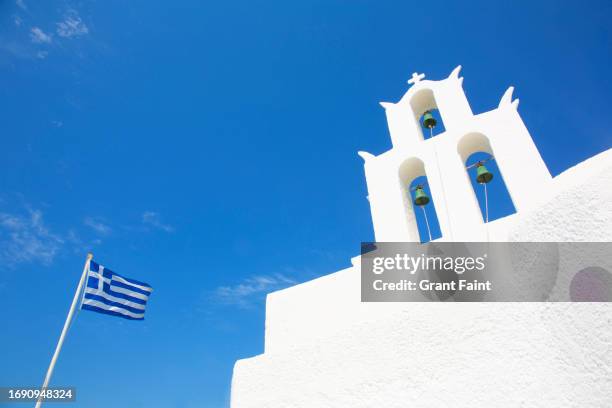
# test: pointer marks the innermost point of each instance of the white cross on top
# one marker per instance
(416, 78)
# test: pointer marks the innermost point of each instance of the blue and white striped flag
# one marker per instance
(107, 292)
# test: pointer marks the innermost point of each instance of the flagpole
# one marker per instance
(65, 329)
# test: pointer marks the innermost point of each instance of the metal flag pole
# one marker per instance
(65, 329)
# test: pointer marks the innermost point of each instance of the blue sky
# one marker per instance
(209, 148)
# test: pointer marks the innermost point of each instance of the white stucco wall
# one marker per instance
(325, 348)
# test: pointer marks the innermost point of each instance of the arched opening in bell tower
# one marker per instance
(489, 188)
(426, 114)
(418, 201)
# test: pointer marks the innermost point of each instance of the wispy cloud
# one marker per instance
(38, 36)
(69, 25)
(72, 26)
(153, 219)
(80, 246)
(250, 290)
(16, 49)
(25, 238)
(97, 225)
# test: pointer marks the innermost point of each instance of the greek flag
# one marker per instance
(107, 292)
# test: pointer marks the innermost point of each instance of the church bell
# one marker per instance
(483, 175)
(420, 198)
(428, 120)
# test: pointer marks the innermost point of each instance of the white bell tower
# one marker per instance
(442, 158)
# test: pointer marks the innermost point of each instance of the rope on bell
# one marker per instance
(486, 203)
(421, 199)
(430, 122)
(426, 222)
(483, 176)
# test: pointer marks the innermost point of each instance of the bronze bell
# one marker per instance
(482, 174)
(428, 120)
(420, 198)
